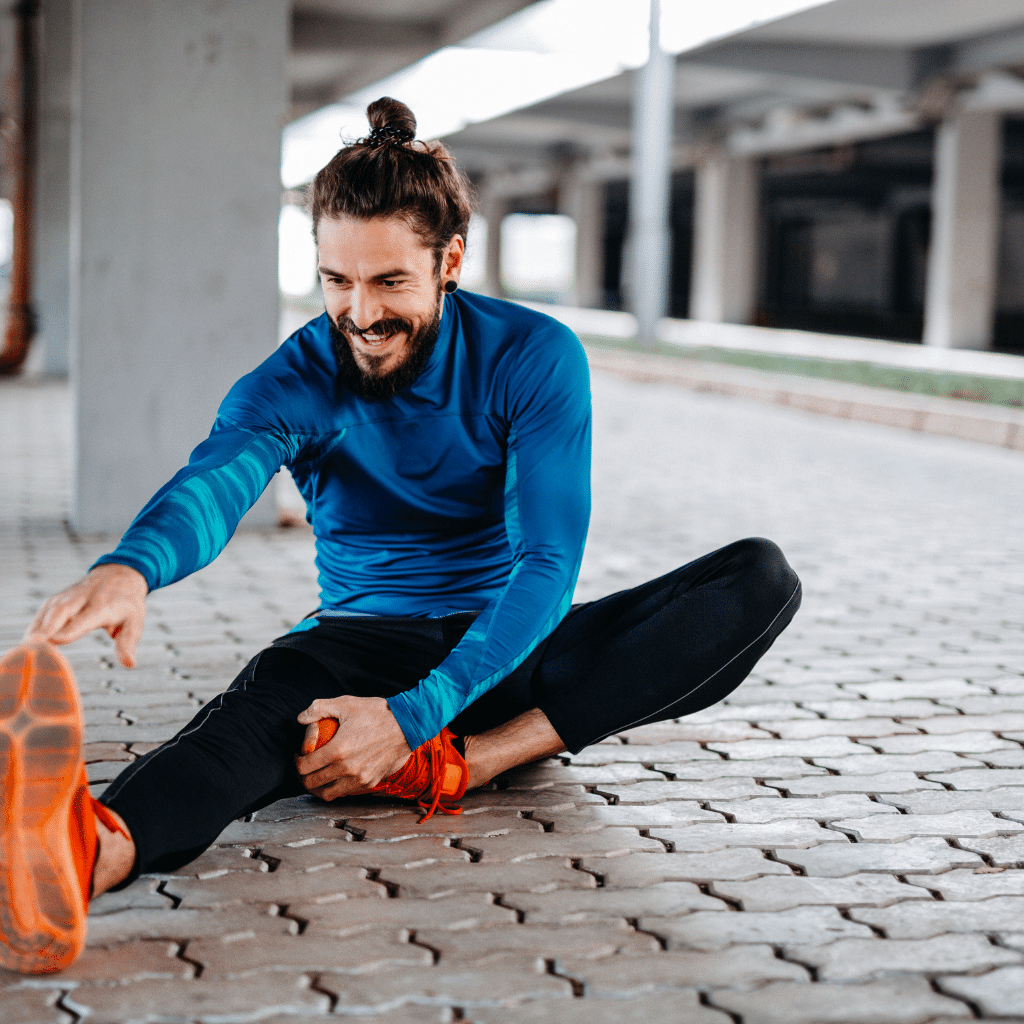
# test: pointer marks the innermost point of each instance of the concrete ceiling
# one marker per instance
(339, 46)
(847, 69)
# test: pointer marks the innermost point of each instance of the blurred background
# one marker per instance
(709, 177)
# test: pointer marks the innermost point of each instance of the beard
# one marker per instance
(374, 384)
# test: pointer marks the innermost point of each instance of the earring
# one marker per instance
(450, 286)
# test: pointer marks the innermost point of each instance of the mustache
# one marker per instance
(381, 327)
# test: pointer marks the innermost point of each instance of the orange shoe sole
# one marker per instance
(42, 909)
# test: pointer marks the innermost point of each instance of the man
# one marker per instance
(442, 443)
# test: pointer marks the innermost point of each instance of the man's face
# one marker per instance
(383, 296)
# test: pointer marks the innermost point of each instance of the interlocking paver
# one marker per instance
(657, 1008)
(822, 809)
(914, 708)
(799, 926)
(243, 957)
(135, 923)
(999, 993)
(792, 832)
(817, 746)
(926, 854)
(753, 768)
(540, 875)
(977, 741)
(570, 905)
(595, 939)
(672, 814)
(511, 977)
(1006, 722)
(1002, 851)
(32, 1006)
(1002, 799)
(902, 1001)
(696, 730)
(624, 976)
(827, 785)
(641, 753)
(272, 992)
(635, 870)
(542, 774)
(888, 828)
(658, 792)
(865, 959)
(1004, 758)
(855, 728)
(278, 887)
(407, 825)
(979, 779)
(967, 884)
(932, 689)
(917, 919)
(605, 842)
(929, 761)
(782, 893)
(351, 917)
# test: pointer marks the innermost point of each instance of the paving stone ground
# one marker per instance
(841, 841)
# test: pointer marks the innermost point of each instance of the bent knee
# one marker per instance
(769, 571)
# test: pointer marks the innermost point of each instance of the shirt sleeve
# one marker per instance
(189, 521)
(547, 511)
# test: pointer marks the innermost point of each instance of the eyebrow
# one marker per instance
(327, 272)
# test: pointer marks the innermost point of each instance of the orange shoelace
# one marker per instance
(435, 770)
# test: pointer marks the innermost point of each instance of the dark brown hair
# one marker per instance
(382, 176)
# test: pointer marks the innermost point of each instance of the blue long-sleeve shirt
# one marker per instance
(469, 490)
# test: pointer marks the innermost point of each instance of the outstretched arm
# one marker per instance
(183, 527)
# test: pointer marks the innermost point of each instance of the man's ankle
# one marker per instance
(115, 857)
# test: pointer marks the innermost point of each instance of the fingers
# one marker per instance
(54, 616)
(312, 735)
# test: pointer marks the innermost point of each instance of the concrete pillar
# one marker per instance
(963, 255)
(50, 353)
(724, 283)
(649, 235)
(175, 202)
(494, 209)
(584, 201)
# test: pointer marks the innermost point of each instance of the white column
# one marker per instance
(175, 201)
(583, 200)
(649, 238)
(53, 193)
(963, 255)
(494, 208)
(723, 287)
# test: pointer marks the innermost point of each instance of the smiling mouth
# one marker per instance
(375, 340)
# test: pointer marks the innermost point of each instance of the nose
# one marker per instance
(364, 308)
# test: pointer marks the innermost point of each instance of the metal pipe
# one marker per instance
(20, 312)
(649, 243)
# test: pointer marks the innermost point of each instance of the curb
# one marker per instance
(944, 417)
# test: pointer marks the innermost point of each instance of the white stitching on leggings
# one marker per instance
(619, 728)
(210, 708)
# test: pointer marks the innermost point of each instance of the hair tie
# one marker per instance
(382, 136)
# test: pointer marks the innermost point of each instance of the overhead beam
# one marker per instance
(323, 31)
(878, 67)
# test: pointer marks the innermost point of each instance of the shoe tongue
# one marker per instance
(82, 833)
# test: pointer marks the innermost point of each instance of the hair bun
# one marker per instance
(391, 113)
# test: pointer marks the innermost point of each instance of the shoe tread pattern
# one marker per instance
(42, 917)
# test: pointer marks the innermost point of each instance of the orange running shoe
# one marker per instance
(435, 771)
(48, 841)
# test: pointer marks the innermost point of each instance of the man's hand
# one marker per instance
(368, 746)
(110, 597)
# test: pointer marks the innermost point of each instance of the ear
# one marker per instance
(451, 261)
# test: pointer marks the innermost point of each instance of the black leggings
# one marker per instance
(661, 650)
